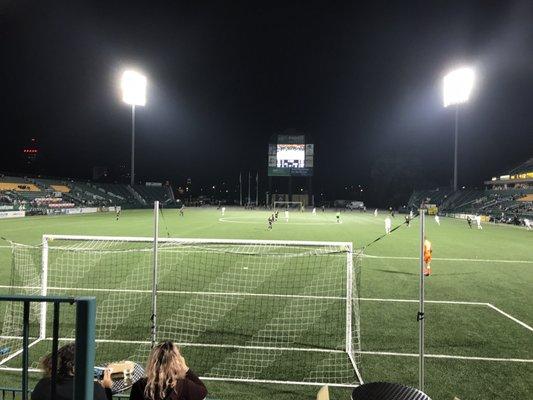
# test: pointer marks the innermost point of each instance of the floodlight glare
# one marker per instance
(458, 85)
(133, 88)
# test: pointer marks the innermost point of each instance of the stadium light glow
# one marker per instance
(457, 86)
(133, 88)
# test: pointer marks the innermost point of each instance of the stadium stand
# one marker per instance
(508, 198)
(152, 193)
(43, 193)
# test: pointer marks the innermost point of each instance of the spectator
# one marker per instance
(65, 378)
(168, 377)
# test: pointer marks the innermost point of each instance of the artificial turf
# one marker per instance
(493, 265)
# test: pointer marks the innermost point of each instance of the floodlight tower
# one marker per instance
(457, 87)
(134, 93)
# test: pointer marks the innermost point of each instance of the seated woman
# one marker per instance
(65, 378)
(168, 377)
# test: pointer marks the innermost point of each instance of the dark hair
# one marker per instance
(66, 357)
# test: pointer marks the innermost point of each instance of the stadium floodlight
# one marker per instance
(134, 93)
(457, 87)
(133, 88)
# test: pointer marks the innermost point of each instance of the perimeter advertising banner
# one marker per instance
(290, 156)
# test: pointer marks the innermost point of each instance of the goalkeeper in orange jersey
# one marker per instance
(427, 257)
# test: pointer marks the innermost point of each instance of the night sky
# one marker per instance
(224, 76)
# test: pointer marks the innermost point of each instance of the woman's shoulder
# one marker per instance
(141, 383)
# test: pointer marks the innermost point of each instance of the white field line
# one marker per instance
(452, 259)
(208, 378)
(228, 346)
(232, 220)
(510, 317)
(240, 294)
(447, 356)
(16, 353)
(472, 303)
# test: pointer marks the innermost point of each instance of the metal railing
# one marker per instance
(15, 394)
(85, 351)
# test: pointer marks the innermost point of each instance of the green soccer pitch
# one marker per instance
(479, 310)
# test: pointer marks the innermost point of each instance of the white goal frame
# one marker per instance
(350, 296)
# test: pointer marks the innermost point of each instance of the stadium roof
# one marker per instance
(524, 167)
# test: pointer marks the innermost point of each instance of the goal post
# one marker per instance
(242, 310)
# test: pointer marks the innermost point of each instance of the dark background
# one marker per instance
(363, 80)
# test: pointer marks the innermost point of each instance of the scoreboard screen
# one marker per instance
(290, 156)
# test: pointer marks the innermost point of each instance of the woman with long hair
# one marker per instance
(65, 378)
(168, 377)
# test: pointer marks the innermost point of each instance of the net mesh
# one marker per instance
(254, 311)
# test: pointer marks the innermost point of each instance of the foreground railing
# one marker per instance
(85, 326)
(15, 394)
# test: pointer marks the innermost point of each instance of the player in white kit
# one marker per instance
(388, 224)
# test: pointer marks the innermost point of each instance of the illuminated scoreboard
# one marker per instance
(290, 155)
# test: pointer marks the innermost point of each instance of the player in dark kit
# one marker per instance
(270, 219)
(408, 221)
(276, 216)
(117, 213)
(469, 220)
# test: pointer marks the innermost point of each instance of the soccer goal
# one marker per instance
(283, 205)
(241, 310)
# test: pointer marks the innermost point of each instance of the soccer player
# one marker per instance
(428, 251)
(437, 219)
(478, 222)
(469, 220)
(388, 224)
(338, 217)
(527, 224)
(223, 209)
(117, 210)
(270, 219)
(376, 212)
(314, 210)
(408, 221)
(323, 208)
(286, 215)
(276, 216)
(411, 214)
(182, 209)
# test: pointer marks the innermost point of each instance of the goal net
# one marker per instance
(241, 310)
(284, 205)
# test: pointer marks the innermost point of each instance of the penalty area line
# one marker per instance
(446, 356)
(451, 259)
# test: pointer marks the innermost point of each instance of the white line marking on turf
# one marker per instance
(243, 294)
(446, 356)
(453, 259)
(472, 303)
(291, 222)
(510, 317)
(229, 346)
